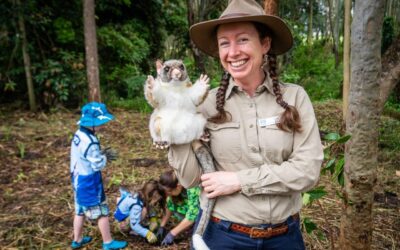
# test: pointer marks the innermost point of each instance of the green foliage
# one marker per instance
(389, 135)
(123, 43)
(135, 86)
(21, 148)
(9, 86)
(7, 133)
(176, 23)
(115, 180)
(127, 46)
(334, 156)
(64, 30)
(20, 177)
(313, 195)
(60, 78)
(137, 103)
(314, 69)
(388, 33)
(309, 225)
(333, 163)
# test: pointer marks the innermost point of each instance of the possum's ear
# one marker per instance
(159, 64)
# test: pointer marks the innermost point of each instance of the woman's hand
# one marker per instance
(220, 183)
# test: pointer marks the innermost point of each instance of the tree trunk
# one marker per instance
(346, 56)
(337, 29)
(310, 24)
(271, 7)
(390, 72)
(334, 32)
(92, 65)
(199, 57)
(389, 8)
(362, 124)
(27, 59)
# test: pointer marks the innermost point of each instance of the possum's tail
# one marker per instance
(207, 164)
(198, 242)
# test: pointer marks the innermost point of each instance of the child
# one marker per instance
(135, 205)
(87, 161)
(182, 203)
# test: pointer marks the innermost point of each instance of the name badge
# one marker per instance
(268, 121)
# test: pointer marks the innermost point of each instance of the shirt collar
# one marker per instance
(267, 84)
(86, 130)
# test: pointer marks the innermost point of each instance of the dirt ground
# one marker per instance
(36, 206)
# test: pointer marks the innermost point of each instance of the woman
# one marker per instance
(181, 203)
(263, 135)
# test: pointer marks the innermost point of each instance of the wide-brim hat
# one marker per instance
(94, 114)
(203, 34)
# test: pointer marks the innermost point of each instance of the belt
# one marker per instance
(259, 232)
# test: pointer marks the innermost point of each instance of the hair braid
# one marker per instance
(222, 115)
(290, 119)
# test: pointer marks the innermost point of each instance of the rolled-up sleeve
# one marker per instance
(183, 160)
(300, 172)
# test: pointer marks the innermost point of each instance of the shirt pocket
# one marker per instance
(225, 141)
(276, 144)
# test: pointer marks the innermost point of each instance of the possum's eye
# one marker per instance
(166, 68)
(182, 67)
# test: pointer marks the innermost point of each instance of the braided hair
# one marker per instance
(222, 115)
(290, 119)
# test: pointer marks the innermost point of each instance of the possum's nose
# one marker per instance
(176, 74)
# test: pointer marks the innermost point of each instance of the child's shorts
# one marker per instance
(93, 212)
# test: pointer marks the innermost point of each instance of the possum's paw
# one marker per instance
(201, 89)
(148, 91)
(161, 144)
(204, 79)
(150, 82)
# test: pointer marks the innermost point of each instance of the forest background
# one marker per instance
(131, 35)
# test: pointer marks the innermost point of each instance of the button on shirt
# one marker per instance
(273, 166)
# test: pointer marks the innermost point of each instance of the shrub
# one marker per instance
(314, 68)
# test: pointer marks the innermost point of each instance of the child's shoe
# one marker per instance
(115, 244)
(84, 241)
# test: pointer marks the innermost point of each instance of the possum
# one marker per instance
(175, 120)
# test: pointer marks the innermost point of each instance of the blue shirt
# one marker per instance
(131, 205)
(85, 166)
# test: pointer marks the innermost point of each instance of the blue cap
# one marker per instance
(94, 114)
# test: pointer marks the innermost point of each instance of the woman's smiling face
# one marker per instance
(241, 51)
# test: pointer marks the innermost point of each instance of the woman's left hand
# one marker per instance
(220, 183)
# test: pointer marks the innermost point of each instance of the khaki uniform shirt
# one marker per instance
(273, 166)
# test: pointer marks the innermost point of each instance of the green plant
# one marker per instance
(7, 133)
(64, 30)
(20, 177)
(334, 156)
(21, 148)
(10, 86)
(116, 180)
(62, 78)
(333, 164)
(314, 68)
(388, 33)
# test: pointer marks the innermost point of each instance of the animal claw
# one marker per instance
(161, 144)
